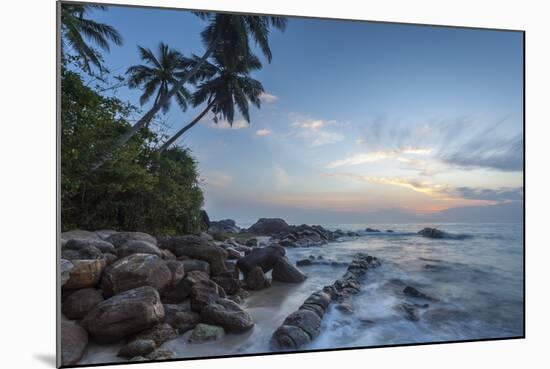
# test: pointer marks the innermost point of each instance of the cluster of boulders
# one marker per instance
(304, 325)
(432, 233)
(133, 287)
(296, 236)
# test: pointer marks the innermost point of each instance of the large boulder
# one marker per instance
(182, 290)
(227, 314)
(138, 247)
(84, 253)
(124, 314)
(181, 317)
(269, 226)
(190, 265)
(205, 332)
(265, 258)
(148, 340)
(74, 340)
(120, 238)
(299, 328)
(85, 273)
(137, 348)
(80, 302)
(223, 226)
(229, 283)
(432, 233)
(78, 234)
(285, 271)
(135, 271)
(177, 270)
(196, 247)
(204, 293)
(256, 280)
(78, 244)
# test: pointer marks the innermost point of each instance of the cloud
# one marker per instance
(363, 158)
(315, 133)
(281, 176)
(268, 98)
(499, 195)
(217, 179)
(263, 132)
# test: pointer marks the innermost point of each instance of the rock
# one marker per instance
(124, 314)
(109, 258)
(251, 242)
(84, 253)
(204, 293)
(269, 226)
(304, 262)
(134, 271)
(74, 340)
(432, 233)
(289, 337)
(239, 296)
(196, 248)
(181, 317)
(137, 347)
(85, 273)
(205, 332)
(65, 268)
(344, 308)
(320, 299)
(372, 230)
(205, 220)
(285, 271)
(256, 280)
(120, 238)
(80, 302)
(413, 292)
(264, 257)
(105, 233)
(206, 237)
(229, 284)
(79, 235)
(138, 247)
(158, 355)
(227, 314)
(233, 254)
(78, 244)
(389, 231)
(223, 226)
(177, 270)
(409, 311)
(190, 265)
(183, 289)
(167, 255)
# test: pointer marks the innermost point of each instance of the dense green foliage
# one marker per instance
(138, 189)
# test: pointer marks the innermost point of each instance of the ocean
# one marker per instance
(475, 277)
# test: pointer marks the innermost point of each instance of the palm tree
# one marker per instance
(75, 28)
(229, 33)
(159, 74)
(230, 86)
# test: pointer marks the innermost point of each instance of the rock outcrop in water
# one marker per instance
(304, 325)
(432, 233)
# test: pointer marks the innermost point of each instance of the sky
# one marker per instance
(360, 122)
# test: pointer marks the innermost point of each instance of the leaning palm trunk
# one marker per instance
(156, 107)
(185, 129)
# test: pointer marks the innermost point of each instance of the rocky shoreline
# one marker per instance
(142, 290)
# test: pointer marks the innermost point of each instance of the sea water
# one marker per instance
(475, 277)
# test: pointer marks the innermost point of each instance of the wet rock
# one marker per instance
(138, 347)
(80, 302)
(120, 238)
(344, 308)
(304, 262)
(409, 310)
(285, 271)
(432, 233)
(74, 340)
(413, 292)
(389, 231)
(251, 242)
(205, 332)
(181, 317)
(134, 271)
(372, 230)
(124, 314)
(256, 280)
(265, 258)
(138, 247)
(269, 226)
(229, 284)
(288, 337)
(239, 297)
(159, 355)
(85, 273)
(227, 314)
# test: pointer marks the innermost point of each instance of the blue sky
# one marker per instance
(361, 122)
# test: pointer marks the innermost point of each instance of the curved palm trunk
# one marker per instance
(185, 129)
(151, 113)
